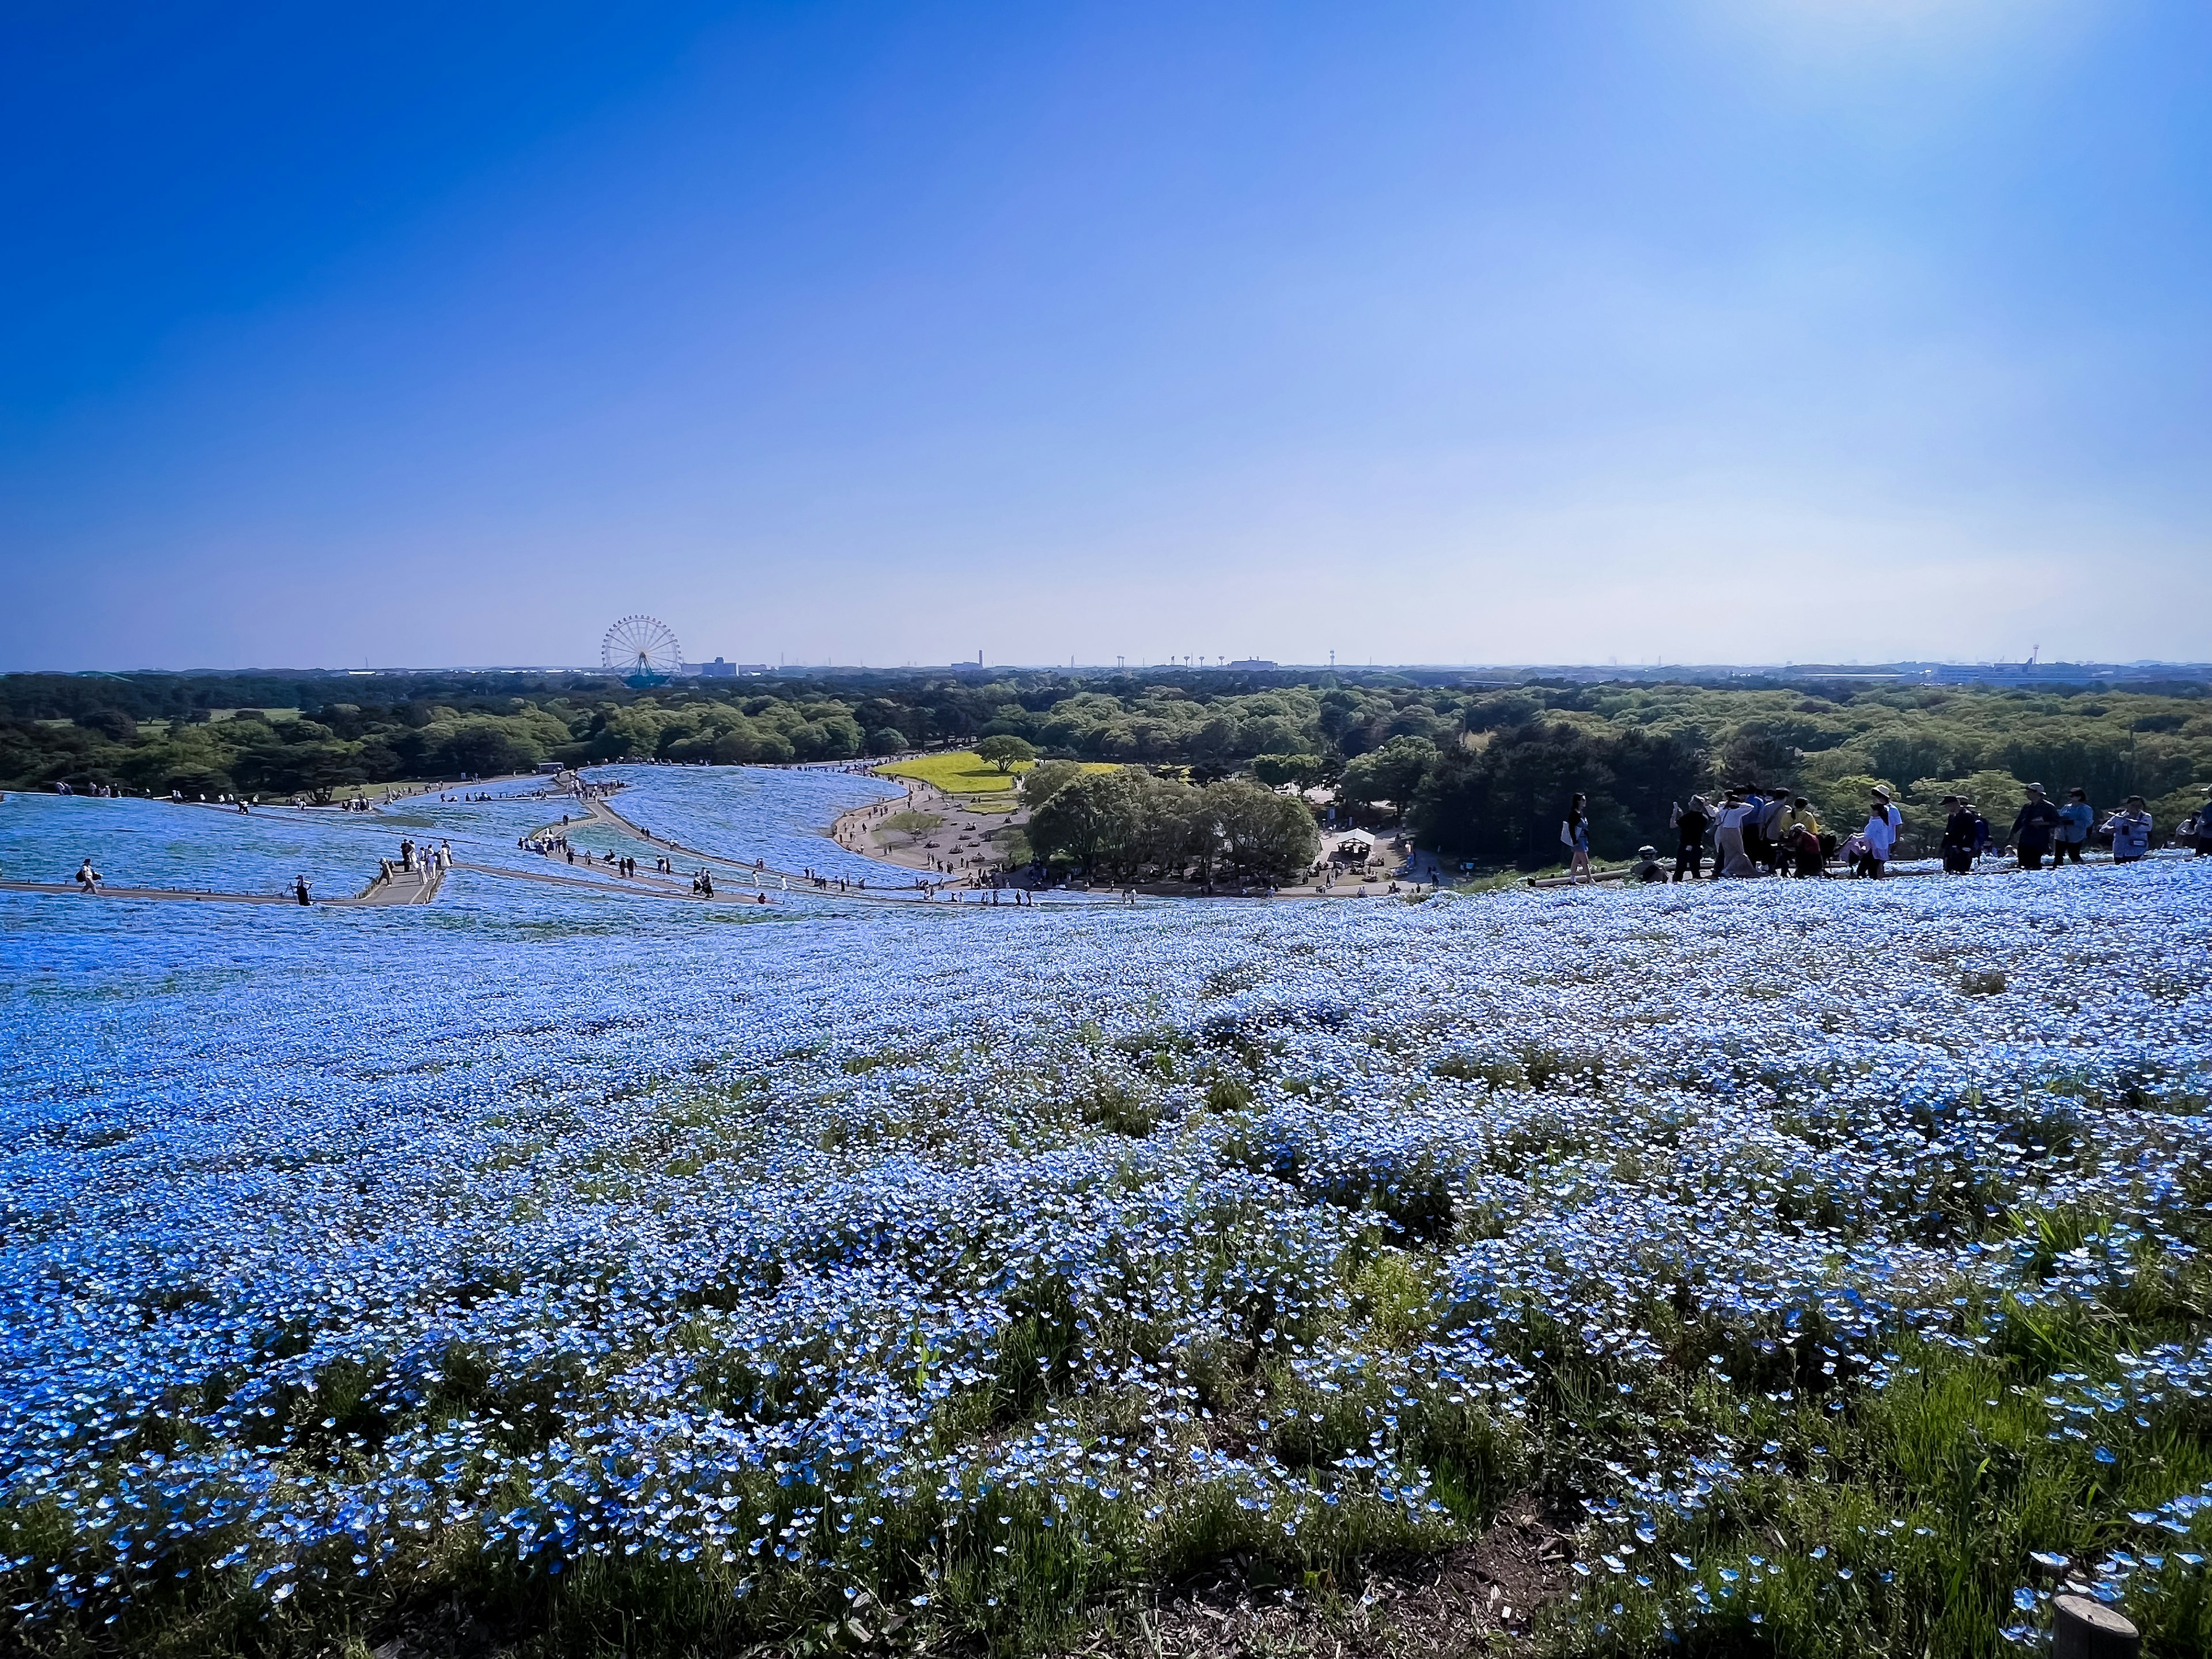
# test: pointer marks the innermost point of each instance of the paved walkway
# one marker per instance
(416, 886)
(800, 881)
(188, 894)
(405, 887)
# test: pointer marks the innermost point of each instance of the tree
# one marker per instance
(886, 740)
(482, 748)
(1047, 778)
(1392, 773)
(1006, 751)
(1121, 823)
(1260, 833)
(1276, 770)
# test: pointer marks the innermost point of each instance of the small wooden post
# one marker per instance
(2086, 1629)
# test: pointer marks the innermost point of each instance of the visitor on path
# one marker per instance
(87, 878)
(2129, 829)
(300, 889)
(1647, 867)
(1573, 832)
(1959, 831)
(2078, 818)
(1877, 839)
(1691, 824)
(1982, 830)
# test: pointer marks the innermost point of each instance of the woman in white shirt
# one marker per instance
(1880, 836)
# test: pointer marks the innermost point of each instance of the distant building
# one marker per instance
(718, 670)
(1251, 663)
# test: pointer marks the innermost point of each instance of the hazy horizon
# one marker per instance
(1720, 332)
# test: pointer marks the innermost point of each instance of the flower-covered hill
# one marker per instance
(1826, 1254)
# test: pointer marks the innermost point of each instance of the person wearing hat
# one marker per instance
(1958, 848)
(1647, 866)
(1878, 838)
(2129, 829)
(2032, 828)
(2074, 834)
(1889, 811)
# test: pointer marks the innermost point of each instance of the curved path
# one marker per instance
(600, 810)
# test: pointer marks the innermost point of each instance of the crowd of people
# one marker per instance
(1756, 832)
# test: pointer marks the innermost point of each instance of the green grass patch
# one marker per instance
(964, 772)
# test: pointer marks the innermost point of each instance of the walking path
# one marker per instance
(397, 886)
(606, 814)
(401, 887)
(189, 895)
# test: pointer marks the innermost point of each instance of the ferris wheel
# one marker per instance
(642, 650)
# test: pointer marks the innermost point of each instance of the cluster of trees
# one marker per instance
(325, 748)
(1497, 795)
(1134, 824)
(316, 733)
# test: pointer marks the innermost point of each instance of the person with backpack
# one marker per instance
(2038, 821)
(1573, 832)
(2129, 829)
(2079, 818)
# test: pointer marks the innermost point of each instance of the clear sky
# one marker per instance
(1721, 330)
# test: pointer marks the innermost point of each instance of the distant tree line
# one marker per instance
(1480, 773)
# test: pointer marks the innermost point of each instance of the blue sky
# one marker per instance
(1718, 331)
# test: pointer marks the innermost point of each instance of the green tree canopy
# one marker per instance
(1005, 751)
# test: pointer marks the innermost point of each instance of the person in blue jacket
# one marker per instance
(2079, 818)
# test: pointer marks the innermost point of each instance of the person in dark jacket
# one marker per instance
(2033, 828)
(1692, 823)
(1959, 825)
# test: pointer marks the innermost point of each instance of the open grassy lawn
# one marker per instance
(963, 772)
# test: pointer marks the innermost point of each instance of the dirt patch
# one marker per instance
(1482, 1599)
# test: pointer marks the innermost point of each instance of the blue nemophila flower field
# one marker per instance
(940, 1272)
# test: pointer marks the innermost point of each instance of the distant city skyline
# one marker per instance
(1727, 330)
